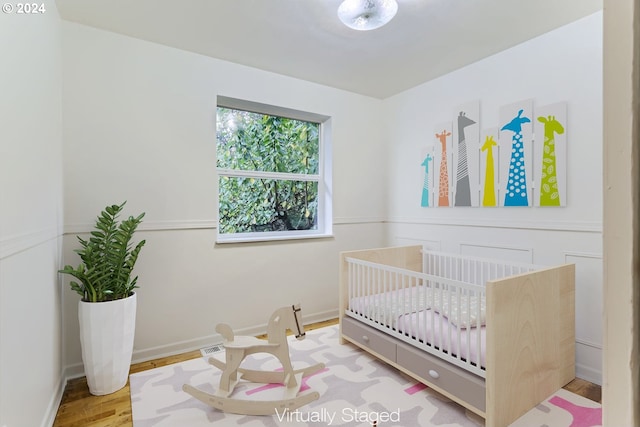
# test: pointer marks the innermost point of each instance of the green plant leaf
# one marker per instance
(107, 258)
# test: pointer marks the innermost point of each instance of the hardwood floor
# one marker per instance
(81, 409)
(585, 389)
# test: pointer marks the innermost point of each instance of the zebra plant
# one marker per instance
(108, 258)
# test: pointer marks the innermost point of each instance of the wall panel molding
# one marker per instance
(210, 224)
(592, 255)
(589, 344)
(576, 226)
(521, 254)
(21, 242)
(435, 245)
(203, 224)
(358, 220)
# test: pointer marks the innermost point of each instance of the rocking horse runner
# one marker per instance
(239, 347)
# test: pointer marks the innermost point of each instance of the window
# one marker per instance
(272, 178)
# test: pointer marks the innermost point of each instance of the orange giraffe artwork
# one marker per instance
(443, 189)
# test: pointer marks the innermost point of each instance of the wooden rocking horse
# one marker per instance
(239, 347)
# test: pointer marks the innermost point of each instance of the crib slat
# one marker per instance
(386, 296)
(449, 328)
(479, 331)
(459, 327)
(359, 285)
(467, 320)
(368, 287)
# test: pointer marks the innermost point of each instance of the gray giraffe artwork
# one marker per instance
(463, 187)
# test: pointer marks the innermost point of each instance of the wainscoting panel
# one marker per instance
(431, 245)
(589, 277)
(506, 253)
(588, 296)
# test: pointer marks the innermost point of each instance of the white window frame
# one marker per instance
(323, 177)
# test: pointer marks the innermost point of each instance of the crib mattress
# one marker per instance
(403, 311)
(445, 336)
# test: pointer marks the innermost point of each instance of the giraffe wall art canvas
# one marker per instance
(521, 162)
(550, 154)
(443, 149)
(516, 149)
(427, 182)
(489, 178)
(466, 138)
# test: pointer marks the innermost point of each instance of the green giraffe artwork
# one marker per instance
(489, 194)
(549, 195)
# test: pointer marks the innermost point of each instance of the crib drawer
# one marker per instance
(370, 338)
(460, 383)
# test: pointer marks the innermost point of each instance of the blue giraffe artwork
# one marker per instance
(426, 188)
(516, 187)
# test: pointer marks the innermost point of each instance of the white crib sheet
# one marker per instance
(402, 310)
(414, 325)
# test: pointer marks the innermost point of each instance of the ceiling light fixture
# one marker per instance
(366, 15)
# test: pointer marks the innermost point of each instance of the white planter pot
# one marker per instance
(106, 336)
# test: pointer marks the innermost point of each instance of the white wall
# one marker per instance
(563, 65)
(31, 367)
(139, 125)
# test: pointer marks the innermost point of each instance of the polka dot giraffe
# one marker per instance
(516, 188)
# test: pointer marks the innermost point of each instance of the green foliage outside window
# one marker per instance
(267, 144)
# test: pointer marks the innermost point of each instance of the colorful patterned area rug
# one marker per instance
(355, 390)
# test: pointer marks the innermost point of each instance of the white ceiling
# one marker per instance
(305, 39)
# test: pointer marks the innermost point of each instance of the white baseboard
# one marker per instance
(206, 341)
(143, 355)
(589, 374)
(589, 360)
(320, 317)
(54, 403)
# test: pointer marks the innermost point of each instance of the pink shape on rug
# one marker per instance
(415, 388)
(303, 387)
(583, 416)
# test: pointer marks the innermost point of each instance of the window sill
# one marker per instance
(270, 238)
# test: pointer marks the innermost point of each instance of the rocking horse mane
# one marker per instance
(283, 319)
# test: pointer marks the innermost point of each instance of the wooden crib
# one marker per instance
(496, 337)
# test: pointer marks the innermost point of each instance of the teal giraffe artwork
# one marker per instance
(549, 193)
(516, 186)
(426, 186)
